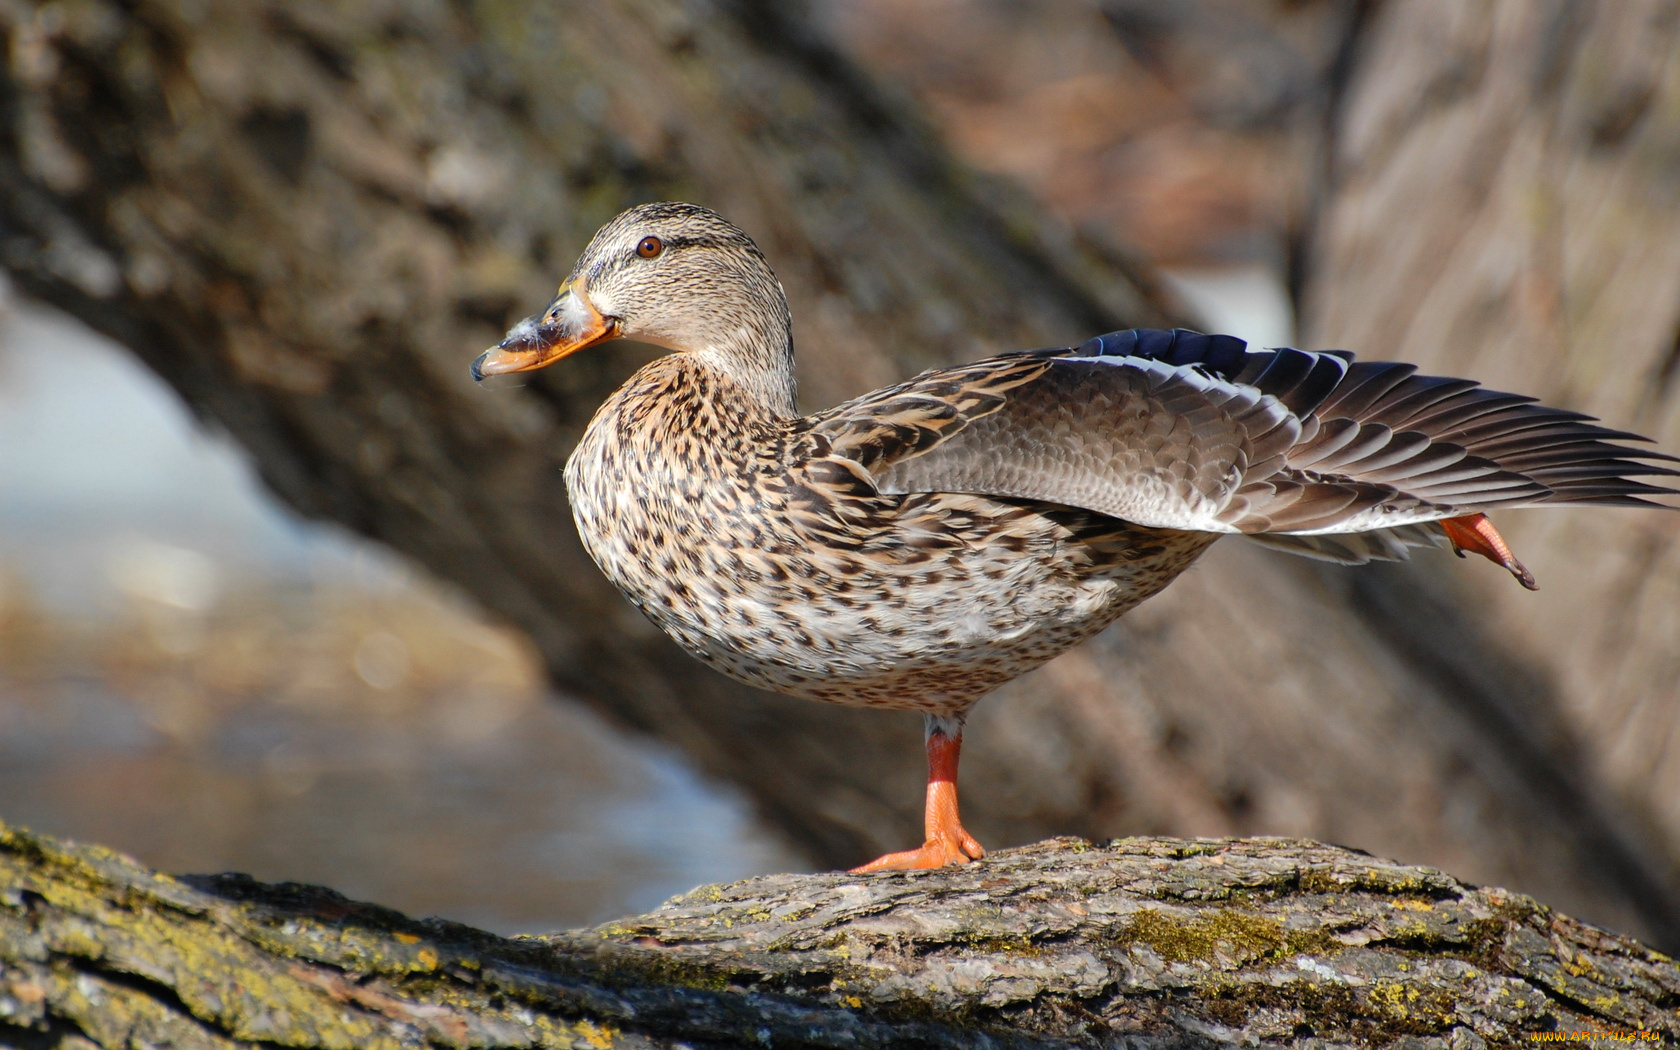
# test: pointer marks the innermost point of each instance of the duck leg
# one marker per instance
(947, 842)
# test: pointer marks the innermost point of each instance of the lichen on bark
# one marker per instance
(1142, 942)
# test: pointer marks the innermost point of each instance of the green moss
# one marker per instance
(988, 944)
(1239, 935)
(1333, 1008)
(1409, 1007)
(1335, 1011)
(1392, 882)
(606, 931)
(657, 968)
(22, 843)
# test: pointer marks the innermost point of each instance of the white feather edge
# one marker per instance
(1375, 520)
(1376, 534)
(1356, 548)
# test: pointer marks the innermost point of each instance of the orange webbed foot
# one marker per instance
(939, 852)
(946, 840)
(1475, 534)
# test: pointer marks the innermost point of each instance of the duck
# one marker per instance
(917, 546)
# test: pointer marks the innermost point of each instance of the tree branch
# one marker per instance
(1163, 942)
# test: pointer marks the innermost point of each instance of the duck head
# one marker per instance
(674, 275)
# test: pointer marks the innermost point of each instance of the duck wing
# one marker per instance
(1175, 429)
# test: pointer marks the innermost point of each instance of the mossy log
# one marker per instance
(308, 217)
(1143, 942)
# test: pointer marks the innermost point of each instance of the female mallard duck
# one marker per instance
(922, 544)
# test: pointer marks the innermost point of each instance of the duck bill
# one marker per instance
(571, 323)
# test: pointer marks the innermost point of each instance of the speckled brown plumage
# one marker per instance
(780, 564)
(918, 546)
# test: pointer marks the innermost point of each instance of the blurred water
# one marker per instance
(193, 675)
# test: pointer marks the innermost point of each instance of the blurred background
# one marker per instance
(281, 592)
(193, 674)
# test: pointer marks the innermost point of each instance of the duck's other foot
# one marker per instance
(941, 851)
(1475, 534)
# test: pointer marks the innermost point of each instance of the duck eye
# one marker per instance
(649, 247)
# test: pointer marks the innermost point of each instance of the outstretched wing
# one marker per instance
(1189, 431)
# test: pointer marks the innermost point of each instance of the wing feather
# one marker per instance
(1189, 431)
(1358, 548)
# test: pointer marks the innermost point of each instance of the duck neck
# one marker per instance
(759, 360)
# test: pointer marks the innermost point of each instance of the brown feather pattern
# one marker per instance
(1180, 430)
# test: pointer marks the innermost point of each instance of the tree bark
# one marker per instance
(1144, 942)
(308, 218)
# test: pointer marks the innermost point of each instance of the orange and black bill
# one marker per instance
(570, 324)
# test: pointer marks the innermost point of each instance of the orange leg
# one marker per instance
(1476, 534)
(947, 842)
